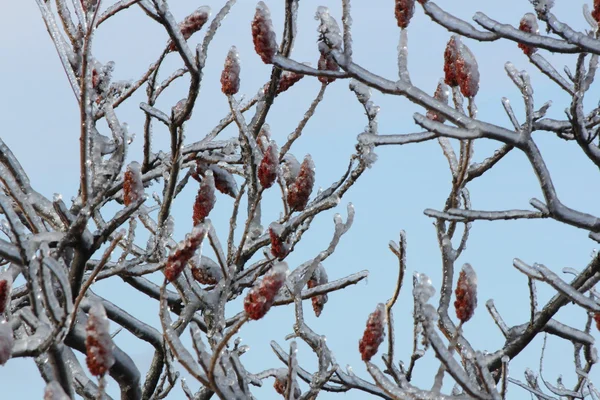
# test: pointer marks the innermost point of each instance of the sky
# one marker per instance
(40, 124)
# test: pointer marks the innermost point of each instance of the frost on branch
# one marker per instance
(267, 170)
(133, 186)
(184, 252)
(319, 277)
(290, 168)
(528, 24)
(466, 293)
(328, 29)
(6, 342)
(192, 24)
(54, 391)
(205, 200)
(5, 290)
(98, 343)
(467, 71)
(230, 77)
(263, 33)
(374, 333)
(330, 38)
(260, 298)
(299, 191)
(179, 108)
(542, 7)
(423, 290)
(405, 9)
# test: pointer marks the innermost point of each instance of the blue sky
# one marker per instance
(40, 123)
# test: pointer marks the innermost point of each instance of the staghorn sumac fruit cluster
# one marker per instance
(230, 77)
(466, 294)
(133, 187)
(288, 79)
(224, 180)
(300, 189)
(596, 11)
(460, 67)
(98, 342)
(279, 247)
(262, 295)
(205, 199)
(267, 170)
(404, 11)
(6, 282)
(528, 24)
(184, 252)
(319, 277)
(441, 95)
(281, 386)
(192, 24)
(263, 33)
(374, 333)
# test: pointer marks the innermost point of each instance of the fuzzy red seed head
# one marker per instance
(467, 71)
(279, 247)
(327, 63)
(95, 78)
(179, 258)
(267, 170)
(224, 180)
(597, 319)
(263, 34)
(466, 293)
(460, 67)
(280, 386)
(98, 343)
(205, 200)
(205, 271)
(405, 9)
(373, 335)
(528, 24)
(441, 94)
(261, 297)
(596, 11)
(288, 79)
(299, 191)
(290, 168)
(203, 277)
(319, 277)
(5, 290)
(230, 77)
(450, 57)
(133, 186)
(192, 24)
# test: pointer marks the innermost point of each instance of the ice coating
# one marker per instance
(329, 28)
